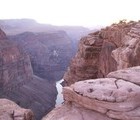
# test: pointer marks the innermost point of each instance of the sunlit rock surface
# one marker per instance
(114, 98)
(115, 47)
(11, 111)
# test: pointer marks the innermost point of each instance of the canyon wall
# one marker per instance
(99, 53)
(18, 83)
(113, 98)
(50, 53)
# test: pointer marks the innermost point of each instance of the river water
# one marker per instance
(59, 99)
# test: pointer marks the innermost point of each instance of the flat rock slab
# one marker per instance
(116, 98)
(107, 89)
(128, 74)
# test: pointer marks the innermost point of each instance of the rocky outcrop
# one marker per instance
(113, 98)
(19, 84)
(104, 51)
(11, 111)
(128, 54)
(50, 53)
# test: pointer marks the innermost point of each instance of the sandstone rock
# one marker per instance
(11, 111)
(115, 47)
(84, 65)
(74, 112)
(128, 55)
(115, 98)
(130, 75)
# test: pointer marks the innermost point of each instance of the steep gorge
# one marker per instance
(18, 83)
(92, 91)
(55, 45)
(50, 52)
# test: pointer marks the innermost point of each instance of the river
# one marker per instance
(59, 99)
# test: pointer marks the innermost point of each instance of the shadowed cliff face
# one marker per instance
(2, 35)
(50, 43)
(104, 51)
(18, 83)
(50, 53)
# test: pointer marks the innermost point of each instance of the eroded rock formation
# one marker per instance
(113, 98)
(18, 83)
(104, 51)
(11, 111)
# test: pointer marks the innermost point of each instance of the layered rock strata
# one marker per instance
(104, 51)
(50, 52)
(113, 98)
(18, 83)
(11, 111)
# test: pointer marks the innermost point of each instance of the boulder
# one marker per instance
(113, 98)
(11, 111)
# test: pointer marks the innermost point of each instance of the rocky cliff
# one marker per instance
(50, 53)
(104, 51)
(11, 111)
(18, 83)
(93, 91)
(113, 98)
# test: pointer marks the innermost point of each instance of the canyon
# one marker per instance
(31, 62)
(102, 81)
(112, 48)
(19, 84)
(55, 45)
(50, 53)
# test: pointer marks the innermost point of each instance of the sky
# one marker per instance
(86, 13)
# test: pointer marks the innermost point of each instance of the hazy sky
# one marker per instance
(71, 12)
